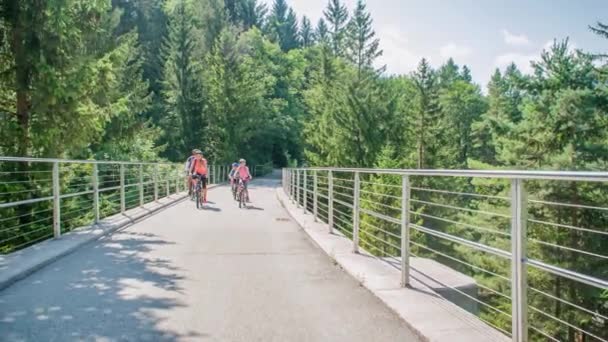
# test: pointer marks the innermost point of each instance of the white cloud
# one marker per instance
(455, 51)
(515, 39)
(397, 55)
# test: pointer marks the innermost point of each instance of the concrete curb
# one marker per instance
(19, 265)
(428, 315)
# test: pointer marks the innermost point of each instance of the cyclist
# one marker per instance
(242, 172)
(198, 170)
(187, 168)
(232, 176)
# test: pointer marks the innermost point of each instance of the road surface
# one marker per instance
(220, 274)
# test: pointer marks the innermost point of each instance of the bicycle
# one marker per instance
(192, 190)
(235, 187)
(242, 194)
(198, 192)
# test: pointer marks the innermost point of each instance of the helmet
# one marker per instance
(197, 151)
(235, 164)
(194, 151)
(241, 160)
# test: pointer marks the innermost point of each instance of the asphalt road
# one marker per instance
(220, 274)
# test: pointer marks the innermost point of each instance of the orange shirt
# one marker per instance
(200, 166)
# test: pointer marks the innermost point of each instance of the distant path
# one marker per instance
(215, 275)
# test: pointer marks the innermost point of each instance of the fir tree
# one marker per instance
(283, 25)
(336, 15)
(448, 73)
(307, 35)
(424, 120)
(466, 74)
(362, 46)
(321, 32)
(182, 82)
(253, 14)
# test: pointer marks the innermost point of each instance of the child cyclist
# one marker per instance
(242, 172)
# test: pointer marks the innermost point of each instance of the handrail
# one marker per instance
(517, 255)
(588, 176)
(127, 185)
(80, 161)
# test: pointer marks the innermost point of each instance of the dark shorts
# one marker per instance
(202, 178)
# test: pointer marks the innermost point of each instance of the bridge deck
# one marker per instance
(221, 274)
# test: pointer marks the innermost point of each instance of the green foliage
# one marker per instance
(141, 80)
(283, 26)
(307, 34)
(362, 48)
(336, 15)
(182, 86)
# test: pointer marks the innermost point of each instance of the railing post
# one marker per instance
(141, 185)
(356, 215)
(168, 186)
(96, 192)
(315, 199)
(519, 287)
(122, 189)
(305, 192)
(330, 201)
(292, 182)
(56, 201)
(176, 181)
(156, 182)
(297, 188)
(405, 231)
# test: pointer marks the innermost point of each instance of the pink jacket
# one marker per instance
(243, 172)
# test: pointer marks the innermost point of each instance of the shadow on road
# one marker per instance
(206, 208)
(110, 291)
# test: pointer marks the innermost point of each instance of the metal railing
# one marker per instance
(535, 242)
(45, 198)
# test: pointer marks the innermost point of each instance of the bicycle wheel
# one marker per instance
(192, 192)
(197, 198)
(241, 198)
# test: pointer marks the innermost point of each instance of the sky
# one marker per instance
(483, 34)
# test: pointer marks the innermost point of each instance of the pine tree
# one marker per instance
(253, 14)
(362, 48)
(496, 125)
(448, 73)
(211, 21)
(283, 26)
(51, 85)
(290, 38)
(128, 134)
(466, 74)
(461, 104)
(562, 127)
(233, 11)
(182, 87)
(307, 35)
(336, 15)
(424, 120)
(321, 32)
